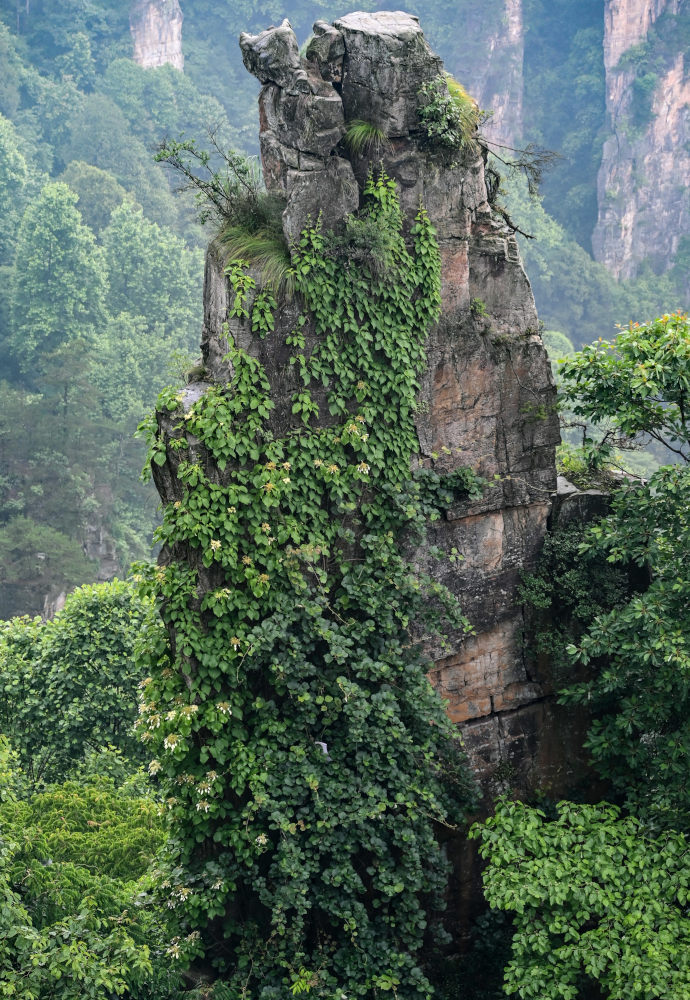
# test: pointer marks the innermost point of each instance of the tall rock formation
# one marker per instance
(643, 192)
(156, 27)
(487, 396)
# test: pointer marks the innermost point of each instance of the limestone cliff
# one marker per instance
(498, 84)
(487, 395)
(156, 27)
(643, 194)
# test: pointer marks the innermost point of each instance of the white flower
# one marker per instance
(154, 767)
(171, 741)
(203, 805)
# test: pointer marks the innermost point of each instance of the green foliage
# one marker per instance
(297, 736)
(153, 274)
(57, 254)
(557, 344)
(69, 685)
(226, 184)
(37, 560)
(573, 293)
(478, 307)
(263, 249)
(448, 116)
(76, 918)
(160, 101)
(639, 383)
(640, 693)
(98, 191)
(598, 904)
(14, 178)
(87, 825)
(98, 133)
(362, 242)
(567, 590)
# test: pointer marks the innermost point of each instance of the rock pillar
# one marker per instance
(156, 27)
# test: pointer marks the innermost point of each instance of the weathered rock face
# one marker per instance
(643, 195)
(487, 398)
(499, 85)
(156, 27)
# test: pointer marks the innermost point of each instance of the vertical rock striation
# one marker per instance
(499, 86)
(643, 194)
(156, 27)
(487, 398)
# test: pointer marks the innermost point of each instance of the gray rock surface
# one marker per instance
(272, 56)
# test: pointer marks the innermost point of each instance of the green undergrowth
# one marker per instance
(449, 117)
(305, 758)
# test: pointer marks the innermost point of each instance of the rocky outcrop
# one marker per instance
(644, 199)
(487, 397)
(156, 27)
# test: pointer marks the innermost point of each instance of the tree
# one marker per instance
(77, 63)
(77, 919)
(600, 898)
(69, 685)
(58, 283)
(99, 193)
(14, 177)
(638, 654)
(153, 274)
(639, 383)
(600, 907)
(159, 102)
(38, 561)
(99, 134)
(638, 682)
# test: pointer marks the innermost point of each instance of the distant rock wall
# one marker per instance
(499, 83)
(156, 27)
(643, 191)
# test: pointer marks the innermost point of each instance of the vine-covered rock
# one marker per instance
(320, 491)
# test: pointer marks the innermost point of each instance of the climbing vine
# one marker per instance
(306, 758)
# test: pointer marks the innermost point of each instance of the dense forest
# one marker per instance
(101, 280)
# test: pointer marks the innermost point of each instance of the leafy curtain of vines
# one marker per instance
(306, 757)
